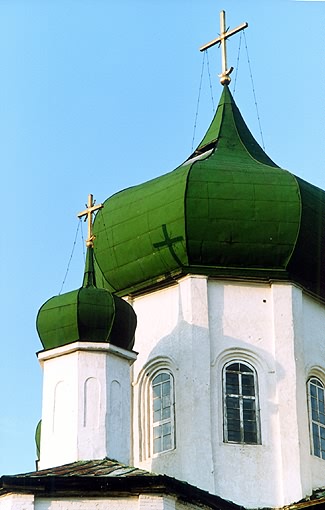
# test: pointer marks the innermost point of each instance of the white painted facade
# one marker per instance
(140, 502)
(86, 400)
(193, 328)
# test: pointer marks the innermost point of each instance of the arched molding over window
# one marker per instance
(261, 363)
(316, 408)
(156, 407)
(240, 403)
(316, 371)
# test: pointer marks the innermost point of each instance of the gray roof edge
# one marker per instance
(98, 485)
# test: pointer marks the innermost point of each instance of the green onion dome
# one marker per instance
(228, 211)
(89, 314)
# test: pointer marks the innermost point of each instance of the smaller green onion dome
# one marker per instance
(89, 314)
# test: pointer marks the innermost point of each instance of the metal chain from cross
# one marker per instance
(88, 213)
(221, 40)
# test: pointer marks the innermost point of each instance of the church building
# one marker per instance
(188, 370)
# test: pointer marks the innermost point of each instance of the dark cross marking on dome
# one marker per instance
(169, 242)
(221, 40)
(88, 213)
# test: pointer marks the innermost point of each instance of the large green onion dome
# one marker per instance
(228, 211)
(89, 314)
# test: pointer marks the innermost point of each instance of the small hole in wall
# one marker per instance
(264, 300)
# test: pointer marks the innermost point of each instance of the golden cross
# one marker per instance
(91, 208)
(224, 34)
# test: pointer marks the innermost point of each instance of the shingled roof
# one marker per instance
(106, 478)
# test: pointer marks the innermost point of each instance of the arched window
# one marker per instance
(241, 411)
(162, 412)
(317, 416)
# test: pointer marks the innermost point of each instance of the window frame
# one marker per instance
(163, 421)
(241, 399)
(316, 427)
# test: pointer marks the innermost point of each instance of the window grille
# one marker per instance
(317, 416)
(162, 413)
(241, 412)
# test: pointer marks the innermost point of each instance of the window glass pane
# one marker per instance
(165, 377)
(313, 403)
(249, 416)
(234, 435)
(167, 442)
(320, 394)
(248, 385)
(166, 429)
(156, 390)
(245, 368)
(166, 401)
(316, 440)
(156, 404)
(165, 413)
(233, 414)
(313, 390)
(232, 402)
(232, 383)
(157, 432)
(156, 416)
(250, 426)
(233, 367)
(249, 404)
(166, 388)
(234, 426)
(250, 437)
(322, 445)
(322, 418)
(157, 379)
(156, 445)
(314, 414)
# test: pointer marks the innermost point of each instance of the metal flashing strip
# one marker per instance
(198, 157)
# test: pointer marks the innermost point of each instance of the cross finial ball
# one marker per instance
(221, 40)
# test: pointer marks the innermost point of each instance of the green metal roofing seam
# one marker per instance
(232, 209)
(146, 225)
(300, 213)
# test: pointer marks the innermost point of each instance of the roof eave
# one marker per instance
(104, 486)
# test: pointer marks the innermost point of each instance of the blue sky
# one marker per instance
(99, 95)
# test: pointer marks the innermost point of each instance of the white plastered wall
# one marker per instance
(314, 357)
(17, 502)
(173, 327)
(121, 503)
(197, 326)
(141, 502)
(86, 411)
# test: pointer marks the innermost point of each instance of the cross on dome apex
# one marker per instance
(88, 213)
(221, 40)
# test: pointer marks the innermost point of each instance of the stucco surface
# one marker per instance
(17, 502)
(195, 327)
(86, 393)
(130, 503)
